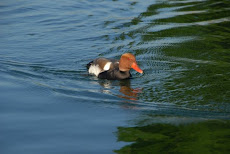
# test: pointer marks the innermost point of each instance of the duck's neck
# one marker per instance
(123, 74)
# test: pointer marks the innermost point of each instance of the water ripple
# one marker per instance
(49, 45)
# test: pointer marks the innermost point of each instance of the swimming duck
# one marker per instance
(112, 69)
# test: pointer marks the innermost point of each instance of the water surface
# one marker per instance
(49, 103)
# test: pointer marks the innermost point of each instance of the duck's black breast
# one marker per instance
(114, 74)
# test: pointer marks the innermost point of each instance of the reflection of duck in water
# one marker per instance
(113, 69)
(126, 91)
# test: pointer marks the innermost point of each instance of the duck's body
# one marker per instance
(112, 69)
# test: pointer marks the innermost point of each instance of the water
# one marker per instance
(49, 104)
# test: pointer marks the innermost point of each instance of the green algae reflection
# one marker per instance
(211, 136)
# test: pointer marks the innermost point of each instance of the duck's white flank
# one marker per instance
(94, 69)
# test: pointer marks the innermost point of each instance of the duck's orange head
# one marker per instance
(127, 62)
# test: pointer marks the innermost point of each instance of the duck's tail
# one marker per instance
(89, 64)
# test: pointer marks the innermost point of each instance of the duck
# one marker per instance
(113, 69)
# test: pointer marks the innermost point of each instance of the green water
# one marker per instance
(201, 137)
(194, 38)
(197, 50)
(50, 104)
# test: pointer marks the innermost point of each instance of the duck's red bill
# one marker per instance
(136, 68)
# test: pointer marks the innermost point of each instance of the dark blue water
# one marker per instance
(49, 103)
